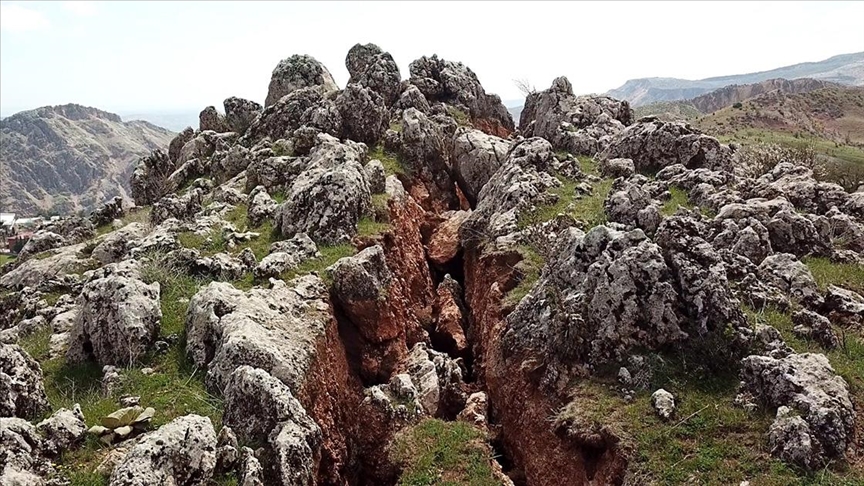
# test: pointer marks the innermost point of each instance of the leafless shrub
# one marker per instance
(524, 86)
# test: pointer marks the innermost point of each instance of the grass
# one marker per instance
(826, 272)
(462, 118)
(679, 199)
(435, 452)
(175, 389)
(390, 161)
(369, 227)
(4, 259)
(530, 268)
(588, 209)
(588, 165)
(330, 254)
(396, 127)
(707, 441)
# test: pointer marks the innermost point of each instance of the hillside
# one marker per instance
(845, 69)
(387, 284)
(70, 157)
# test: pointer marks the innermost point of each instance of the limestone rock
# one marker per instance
(653, 144)
(64, 429)
(664, 403)
(272, 329)
(791, 440)
(286, 255)
(788, 274)
(118, 321)
(811, 325)
(475, 157)
(295, 72)
(807, 384)
(444, 244)
(261, 408)
(328, 199)
(364, 114)
(40, 241)
(240, 113)
(117, 244)
(22, 393)
(373, 68)
(182, 451)
(210, 119)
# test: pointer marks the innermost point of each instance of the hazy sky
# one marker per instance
(153, 56)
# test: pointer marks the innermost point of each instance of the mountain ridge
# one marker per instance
(844, 69)
(70, 157)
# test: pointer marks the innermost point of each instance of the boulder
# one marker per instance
(117, 244)
(328, 198)
(149, 182)
(787, 273)
(629, 204)
(177, 144)
(63, 430)
(272, 329)
(182, 451)
(296, 72)
(40, 241)
(210, 119)
(807, 384)
(370, 67)
(376, 176)
(262, 409)
(21, 460)
(118, 321)
(581, 125)
(240, 113)
(792, 441)
(455, 84)
(261, 206)
(411, 97)
(22, 393)
(617, 168)
(444, 244)
(364, 114)
(303, 107)
(423, 154)
(108, 212)
(663, 403)
(811, 325)
(178, 207)
(475, 157)
(286, 255)
(653, 144)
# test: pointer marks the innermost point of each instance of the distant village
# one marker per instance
(15, 231)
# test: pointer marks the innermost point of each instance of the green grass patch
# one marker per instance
(707, 441)
(279, 196)
(588, 165)
(826, 272)
(4, 259)
(390, 161)
(462, 118)
(369, 227)
(588, 209)
(530, 268)
(435, 452)
(679, 199)
(396, 127)
(330, 254)
(175, 389)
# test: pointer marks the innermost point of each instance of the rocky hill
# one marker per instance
(66, 158)
(845, 69)
(390, 283)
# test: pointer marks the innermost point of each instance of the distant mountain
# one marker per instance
(845, 69)
(728, 96)
(175, 121)
(70, 157)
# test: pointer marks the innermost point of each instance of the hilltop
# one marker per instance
(845, 69)
(61, 159)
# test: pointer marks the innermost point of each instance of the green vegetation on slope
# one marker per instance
(679, 199)
(826, 272)
(435, 452)
(390, 161)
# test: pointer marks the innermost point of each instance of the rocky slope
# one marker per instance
(390, 283)
(845, 69)
(70, 157)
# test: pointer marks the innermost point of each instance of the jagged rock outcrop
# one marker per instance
(34, 272)
(150, 178)
(475, 157)
(364, 114)
(21, 388)
(117, 244)
(63, 429)
(653, 144)
(21, 459)
(581, 125)
(40, 241)
(210, 119)
(240, 113)
(807, 384)
(262, 409)
(182, 451)
(330, 196)
(296, 72)
(373, 68)
(285, 256)
(118, 322)
(455, 84)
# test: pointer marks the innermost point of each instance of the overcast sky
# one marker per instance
(156, 56)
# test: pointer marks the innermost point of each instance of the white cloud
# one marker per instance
(81, 8)
(15, 18)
